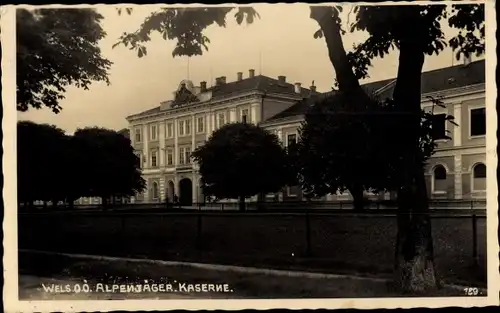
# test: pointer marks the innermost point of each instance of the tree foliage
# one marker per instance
(57, 48)
(55, 167)
(39, 149)
(386, 27)
(241, 160)
(109, 156)
(333, 153)
(184, 25)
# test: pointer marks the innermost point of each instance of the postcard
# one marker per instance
(255, 156)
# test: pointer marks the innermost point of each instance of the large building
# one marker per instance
(164, 136)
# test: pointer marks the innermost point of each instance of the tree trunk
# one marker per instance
(357, 196)
(104, 202)
(241, 203)
(261, 199)
(414, 262)
(414, 255)
(328, 20)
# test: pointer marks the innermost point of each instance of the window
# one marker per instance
(181, 128)
(439, 173)
(187, 152)
(181, 155)
(170, 157)
(439, 184)
(201, 124)
(222, 119)
(170, 130)
(154, 157)
(478, 122)
(188, 127)
(137, 135)
(291, 139)
(139, 163)
(154, 132)
(155, 190)
(479, 177)
(480, 171)
(439, 126)
(244, 115)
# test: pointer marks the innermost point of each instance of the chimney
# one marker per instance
(282, 79)
(251, 73)
(222, 80)
(217, 81)
(313, 88)
(203, 86)
(239, 75)
(297, 88)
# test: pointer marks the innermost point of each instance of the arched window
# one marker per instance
(155, 190)
(439, 172)
(479, 170)
(439, 183)
(479, 177)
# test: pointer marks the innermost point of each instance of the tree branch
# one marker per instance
(328, 20)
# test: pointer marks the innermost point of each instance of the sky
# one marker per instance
(279, 43)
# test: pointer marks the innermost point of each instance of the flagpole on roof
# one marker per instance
(188, 68)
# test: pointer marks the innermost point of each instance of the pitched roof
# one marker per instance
(257, 83)
(432, 81)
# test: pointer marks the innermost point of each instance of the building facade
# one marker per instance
(164, 136)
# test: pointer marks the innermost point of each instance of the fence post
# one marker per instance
(123, 230)
(308, 234)
(198, 231)
(474, 239)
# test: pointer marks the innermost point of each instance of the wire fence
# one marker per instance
(459, 204)
(338, 239)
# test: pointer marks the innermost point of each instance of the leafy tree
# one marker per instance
(56, 167)
(39, 154)
(334, 155)
(109, 167)
(416, 32)
(57, 48)
(241, 160)
(185, 25)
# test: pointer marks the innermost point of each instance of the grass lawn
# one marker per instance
(361, 244)
(242, 285)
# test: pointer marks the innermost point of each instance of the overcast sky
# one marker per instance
(283, 36)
